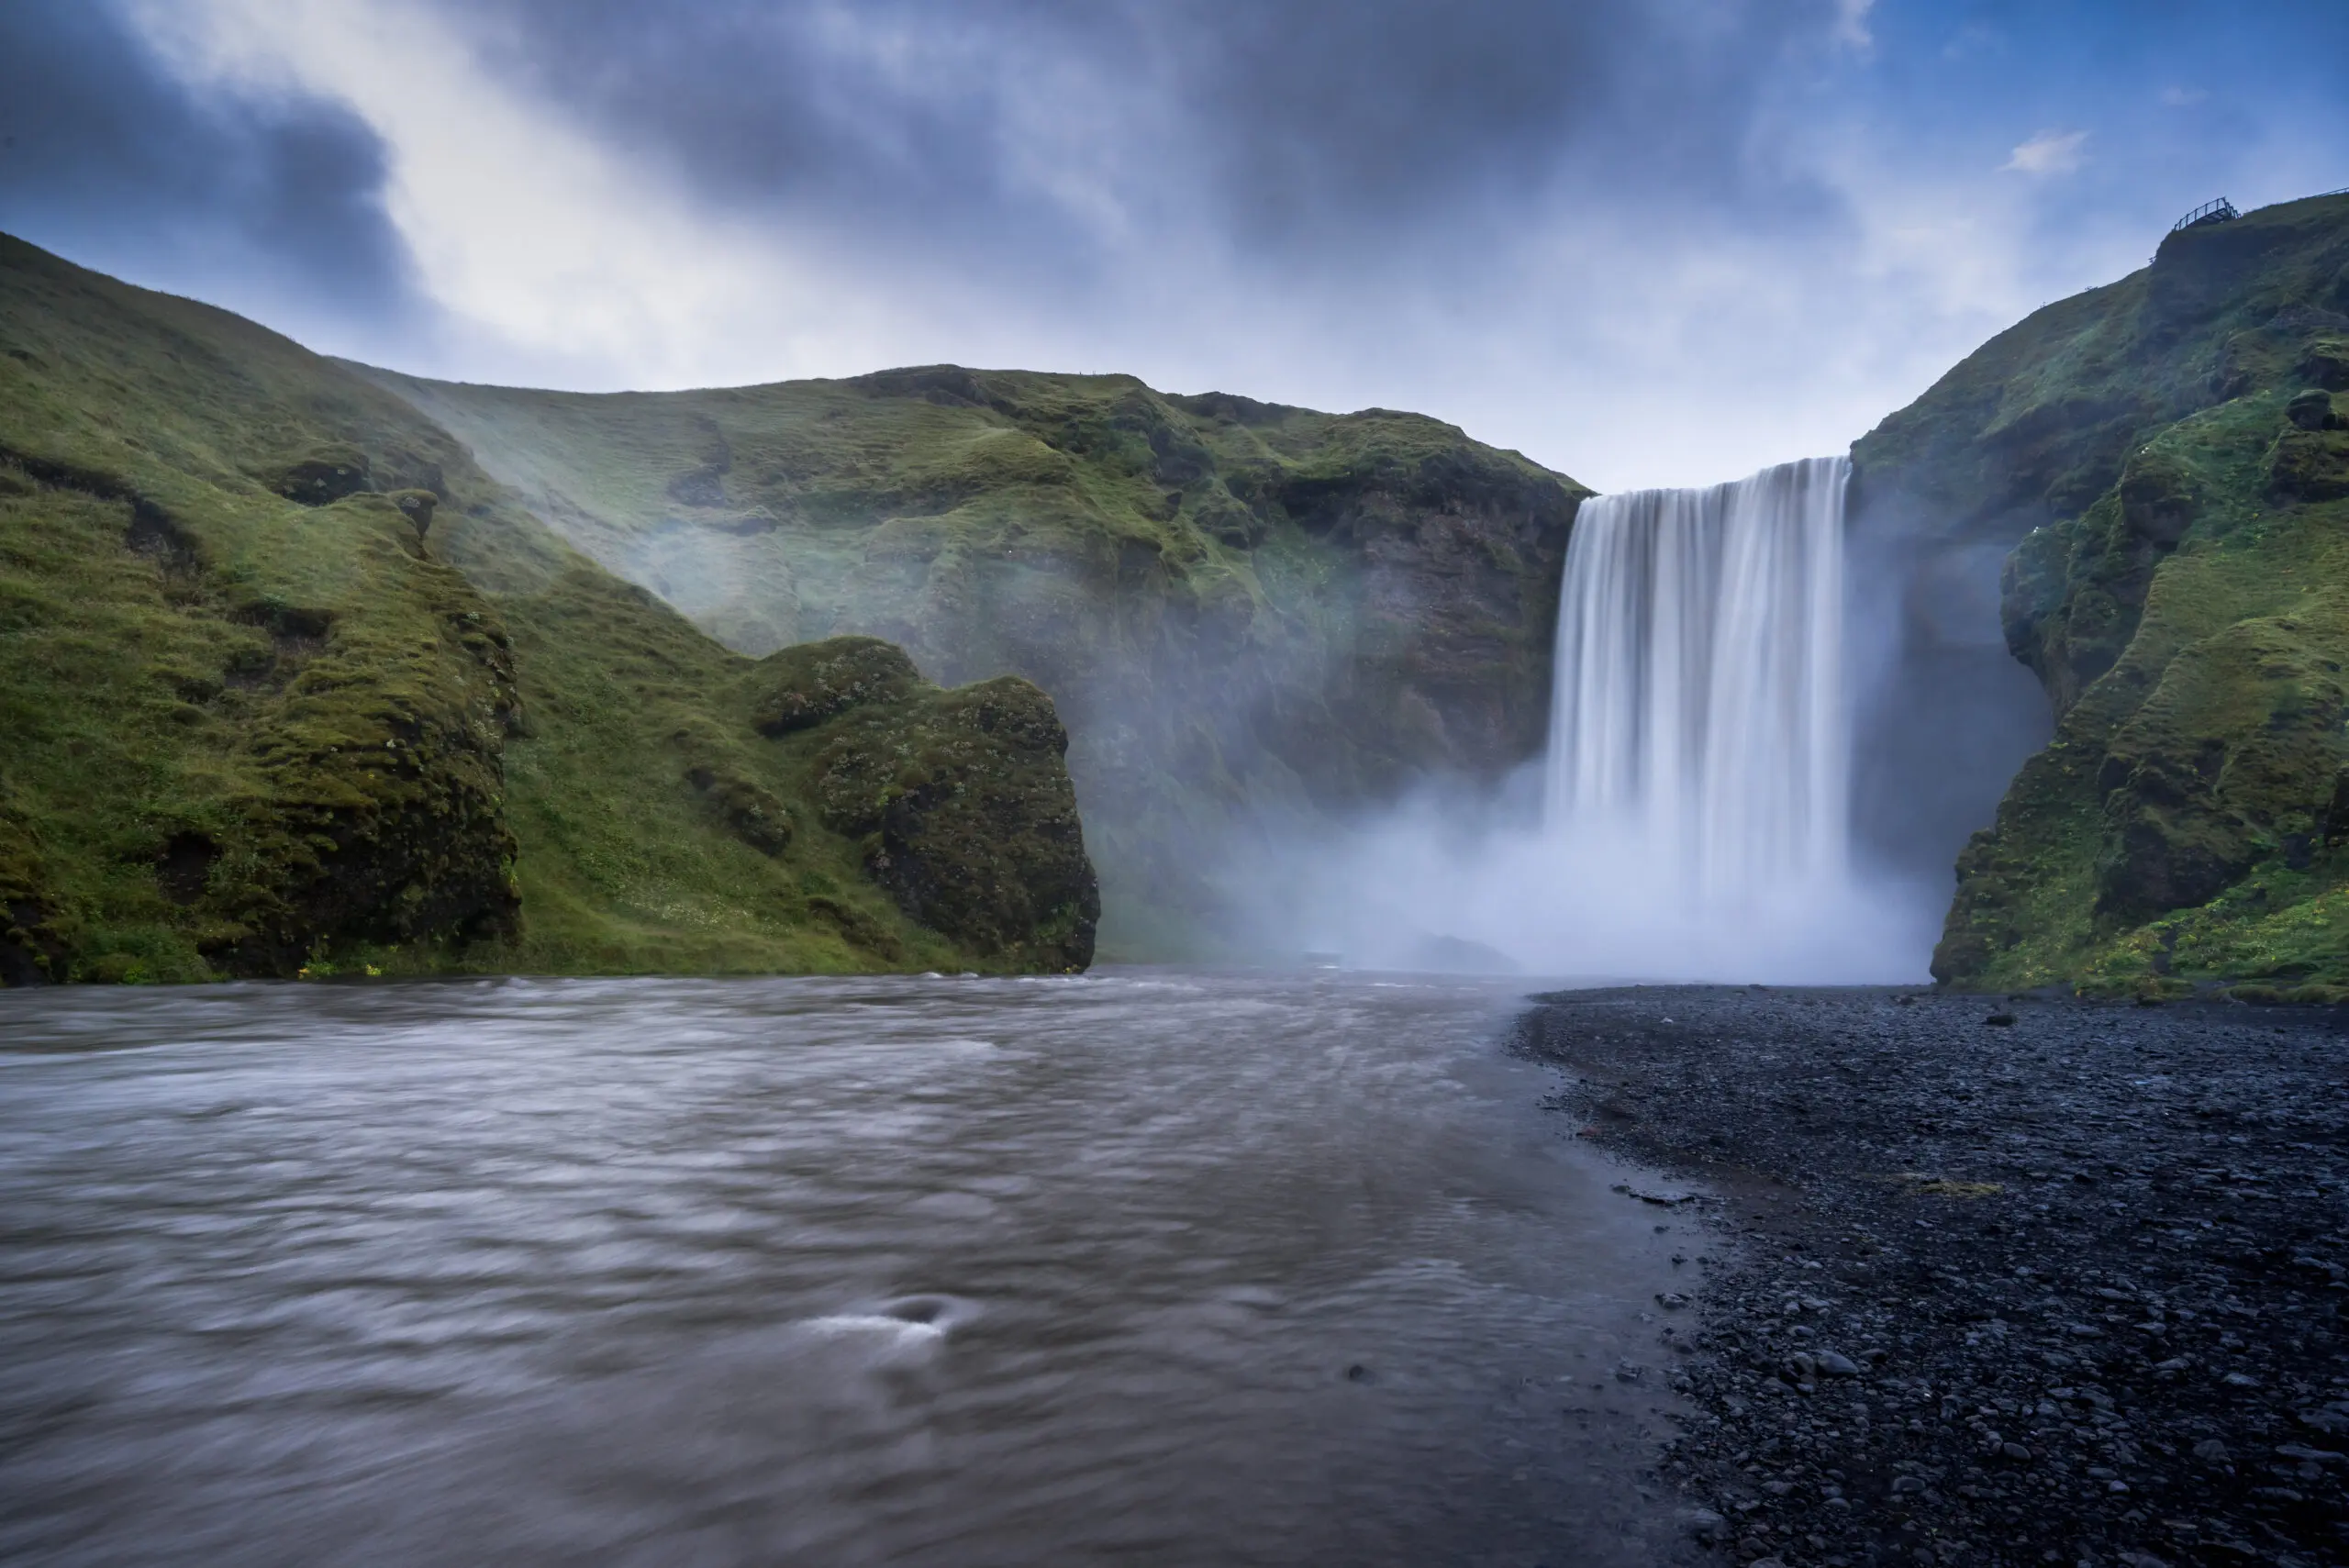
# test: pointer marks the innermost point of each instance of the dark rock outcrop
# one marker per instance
(962, 803)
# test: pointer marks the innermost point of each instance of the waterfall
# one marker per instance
(1698, 723)
(1696, 815)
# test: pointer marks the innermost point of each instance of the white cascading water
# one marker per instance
(1699, 719)
(1697, 818)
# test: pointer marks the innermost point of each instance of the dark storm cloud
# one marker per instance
(1348, 116)
(107, 156)
(1289, 124)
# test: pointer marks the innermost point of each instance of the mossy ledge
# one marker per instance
(2172, 446)
(289, 686)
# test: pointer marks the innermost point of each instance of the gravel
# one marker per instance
(2013, 1279)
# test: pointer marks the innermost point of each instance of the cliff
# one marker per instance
(288, 683)
(1251, 616)
(2167, 461)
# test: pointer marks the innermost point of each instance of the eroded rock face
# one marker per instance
(962, 802)
(2231, 760)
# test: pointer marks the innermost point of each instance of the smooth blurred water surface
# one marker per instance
(1138, 1268)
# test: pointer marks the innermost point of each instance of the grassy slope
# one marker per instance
(239, 734)
(2184, 601)
(1239, 608)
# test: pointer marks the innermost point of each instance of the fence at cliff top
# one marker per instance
(2219, 211)
(1699, 711)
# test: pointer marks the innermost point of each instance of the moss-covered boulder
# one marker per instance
(2178, 500)
(805, 686)
(963, 804)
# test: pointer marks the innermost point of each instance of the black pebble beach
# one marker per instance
(2011, 1280)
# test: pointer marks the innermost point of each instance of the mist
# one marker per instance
(1692, 816)
(1455, 882)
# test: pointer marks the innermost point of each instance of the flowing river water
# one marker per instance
(1139, 1268)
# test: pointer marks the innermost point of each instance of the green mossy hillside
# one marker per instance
(1245, 613)
(288, 684)
(213, 771)
(2183, 596)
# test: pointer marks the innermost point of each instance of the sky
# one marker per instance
(1644, 241)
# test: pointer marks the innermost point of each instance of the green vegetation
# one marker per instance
(287, 685)
(2184, 598)
(1245, 613)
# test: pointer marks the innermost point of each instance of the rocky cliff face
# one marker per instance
(1246, 614)
(288, 684)
(2166, 461)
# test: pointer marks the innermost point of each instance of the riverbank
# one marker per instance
(2013, 1280)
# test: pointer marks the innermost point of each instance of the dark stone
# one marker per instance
(185, 865)
(321, 477)
(417, 506)
(2326, 364)
(2313, 410)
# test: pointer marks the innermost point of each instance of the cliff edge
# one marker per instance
(2170, 463)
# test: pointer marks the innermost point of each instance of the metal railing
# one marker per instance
(2219, 211)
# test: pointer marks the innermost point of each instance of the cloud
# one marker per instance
(2049, 152)
(1642, 241)
(1041, 136)
(549, 253)
(601, 196)
(107, 153)
(1852, 23)
(2182, 97)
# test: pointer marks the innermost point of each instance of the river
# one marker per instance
(1143, 1267)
